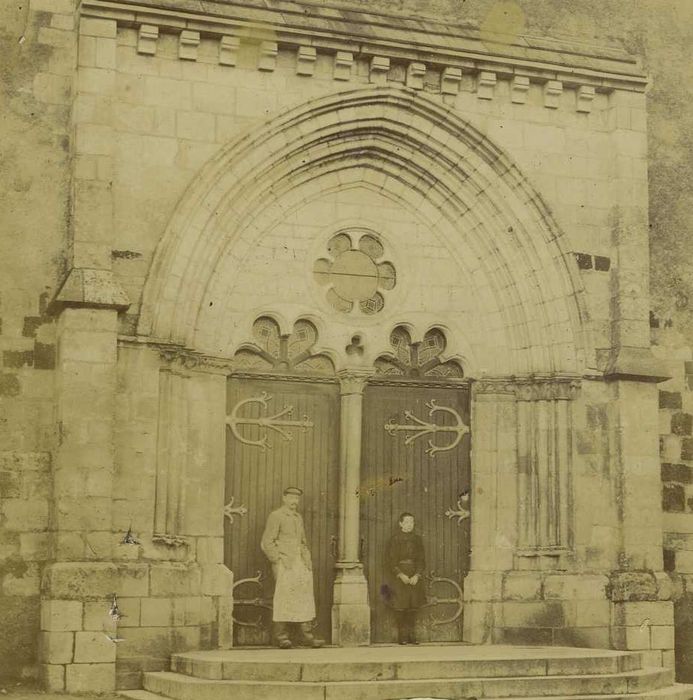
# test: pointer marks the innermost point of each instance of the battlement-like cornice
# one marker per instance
(367, 34)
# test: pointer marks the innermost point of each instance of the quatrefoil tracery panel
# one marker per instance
(271, 351)
(418, 359)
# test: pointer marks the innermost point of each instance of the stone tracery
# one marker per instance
(417, 359)
(271, 351)
(353, 275)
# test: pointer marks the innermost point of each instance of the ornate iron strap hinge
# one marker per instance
(265, 603)
(418, 428)
(230, 510)
(280, 422)
(434, 600)
(462, 512)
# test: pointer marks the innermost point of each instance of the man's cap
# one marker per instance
(293, 490)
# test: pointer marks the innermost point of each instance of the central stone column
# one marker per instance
(351, 613)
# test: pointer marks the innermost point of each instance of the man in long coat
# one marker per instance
(405, 562)
(284, 543)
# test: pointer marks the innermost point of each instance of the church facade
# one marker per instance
(395, 262)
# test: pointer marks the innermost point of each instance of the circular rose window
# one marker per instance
(355, 276)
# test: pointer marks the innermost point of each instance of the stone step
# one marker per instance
(674, 692)
(678, 691)
(182, 687)
(332, 665)
(139, 695)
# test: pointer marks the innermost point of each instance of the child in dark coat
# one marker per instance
(404, 566)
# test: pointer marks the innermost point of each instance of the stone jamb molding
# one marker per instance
(544, 451)
(147, 39)
(188, 43)
(229, 46)
(442, 44)
(171, 460)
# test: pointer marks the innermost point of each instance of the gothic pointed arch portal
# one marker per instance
(350, 216)
(520, 297)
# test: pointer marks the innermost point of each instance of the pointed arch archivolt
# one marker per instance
(414, 151)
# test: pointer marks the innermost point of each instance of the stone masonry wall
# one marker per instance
(676, 450)
(145, 125)
(38, 44)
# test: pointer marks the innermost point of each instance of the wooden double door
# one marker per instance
(270, 447)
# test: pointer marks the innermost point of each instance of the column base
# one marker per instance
(351, 613)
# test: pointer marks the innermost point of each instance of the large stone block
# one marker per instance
(52, 677)
(217, 580)
(351, 625)
(522, 586)
(575, 587)
(147, 642)
(156, 612)
(632, 586)
(130, 609)
(210, 550)
(97, 617)
(224, 611)
(61, 615)
(477, 622)
(94, 647)
(174, 579)
(95, 581)
(592, 613)
(90, 678)
(531, 614)
(483, 586)
(643, 613)
(662, 636)
(56, 647)
(25, 515)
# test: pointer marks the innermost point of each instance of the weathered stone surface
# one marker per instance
(94, 647)
(131, 130)
(677, 472)
(93, 581)
(632, 586)
(682, 423)
(61, 615)
(173, 579)
(56, 647)
(93, 678)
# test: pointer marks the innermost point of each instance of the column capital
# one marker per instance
(530, 387)
(549, 388)
(354, 380)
